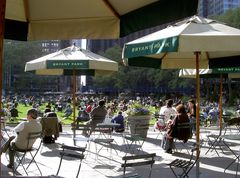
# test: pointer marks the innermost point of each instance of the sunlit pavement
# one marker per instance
(108, 162)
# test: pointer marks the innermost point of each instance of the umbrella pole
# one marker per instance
(2, 27)
(197, 113)
(220, 102)
(74, 101)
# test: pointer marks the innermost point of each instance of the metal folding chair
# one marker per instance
(5, 129)
(138, 160)
(86, 141)
(104, 142)
(183, 129)
(21, 154)
(136, 139)
(183, 164)
(74, 153)
(215, 140)
(232, 137)
(160, 125)
(50, 128)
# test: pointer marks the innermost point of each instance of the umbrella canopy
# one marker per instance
(211, 73)
(175, 46)
(98, 19)
(72, 61)
(191, 43)
(65, 61)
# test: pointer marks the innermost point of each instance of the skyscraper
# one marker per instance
(216, 7)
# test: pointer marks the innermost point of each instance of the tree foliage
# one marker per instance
(16, 54)
(132, 78)
(231, 18)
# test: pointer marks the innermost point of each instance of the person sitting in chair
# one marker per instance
(20, 142)
(168, 111)
(82, 117)
(14, 113)
(119, 119)
(97, 115)
(174, 132)
(68, 111)
(51, 126)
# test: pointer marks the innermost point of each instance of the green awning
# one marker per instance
(151, 48)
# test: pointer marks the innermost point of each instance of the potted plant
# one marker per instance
(138, 118)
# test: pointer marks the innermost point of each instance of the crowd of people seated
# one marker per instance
(89, 108)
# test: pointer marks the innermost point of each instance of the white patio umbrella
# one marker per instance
(98, 19)
(233, 72)
(191, 43)
(72, 61)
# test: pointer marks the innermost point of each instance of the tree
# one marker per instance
(16, 54)
(231, 17)
(136, 78)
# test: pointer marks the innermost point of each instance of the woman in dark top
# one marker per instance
(173, 131)
(191, 108)
(192, 113)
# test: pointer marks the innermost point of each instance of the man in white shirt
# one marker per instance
(20, 142)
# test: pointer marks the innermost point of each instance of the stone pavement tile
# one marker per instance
(108, 165)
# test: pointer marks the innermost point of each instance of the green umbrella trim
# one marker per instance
(150, 48)
(67, 64)
(226, 70)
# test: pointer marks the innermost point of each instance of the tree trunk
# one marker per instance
(230, 93)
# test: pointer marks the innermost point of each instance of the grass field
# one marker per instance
(22, 111)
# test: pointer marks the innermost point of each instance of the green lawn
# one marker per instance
(22, 109)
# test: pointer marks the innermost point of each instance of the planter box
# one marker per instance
(139, 125)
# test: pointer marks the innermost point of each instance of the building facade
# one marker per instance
(216, 7)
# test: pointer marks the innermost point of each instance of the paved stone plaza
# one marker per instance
(108, 163)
